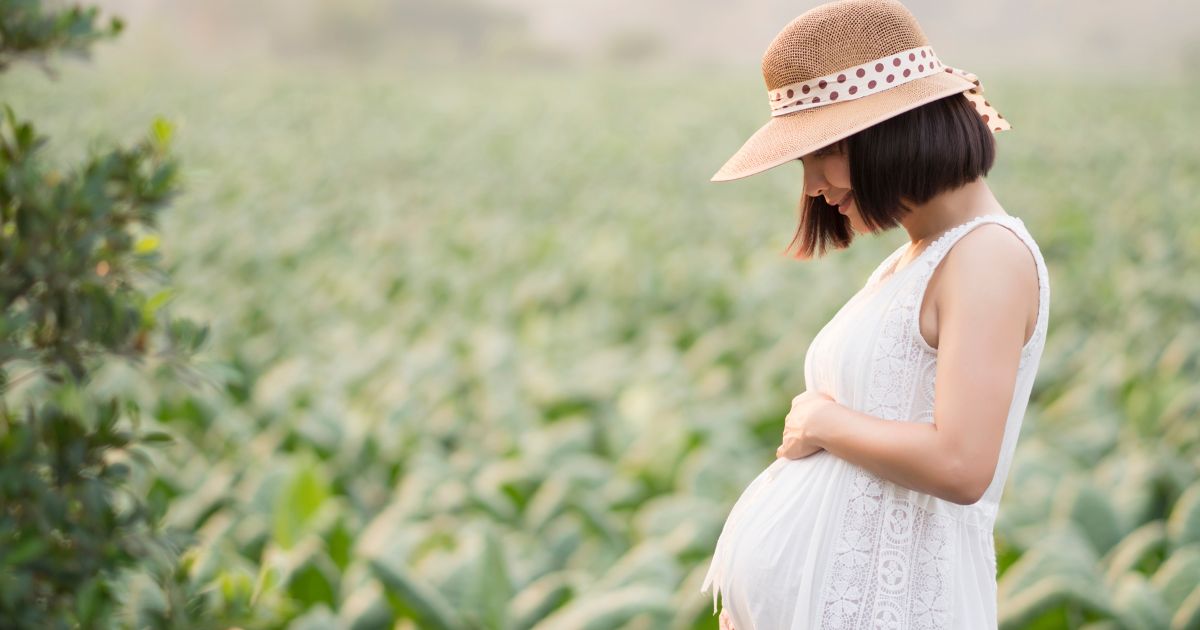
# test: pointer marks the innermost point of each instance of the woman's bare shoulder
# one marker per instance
(993, 263)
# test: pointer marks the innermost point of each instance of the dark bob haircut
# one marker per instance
(907, 159)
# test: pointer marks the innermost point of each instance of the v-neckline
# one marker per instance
(892, 272)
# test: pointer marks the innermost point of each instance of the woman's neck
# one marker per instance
(948, 209)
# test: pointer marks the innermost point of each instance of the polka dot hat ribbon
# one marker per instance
(875, 76)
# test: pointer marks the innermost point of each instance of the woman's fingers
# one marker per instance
(790, 450)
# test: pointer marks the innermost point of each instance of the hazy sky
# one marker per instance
(1100, 35)
(1146, 38)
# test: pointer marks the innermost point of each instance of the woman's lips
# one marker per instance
(841, 202)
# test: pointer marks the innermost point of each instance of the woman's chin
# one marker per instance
(844, 210)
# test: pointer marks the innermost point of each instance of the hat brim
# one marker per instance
(785, 138)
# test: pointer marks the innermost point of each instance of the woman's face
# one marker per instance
(827, 174)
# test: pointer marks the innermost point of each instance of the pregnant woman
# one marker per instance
(879, 509)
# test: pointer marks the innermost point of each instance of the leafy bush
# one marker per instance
(80, 287)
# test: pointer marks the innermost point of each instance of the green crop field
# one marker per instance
(490, 351)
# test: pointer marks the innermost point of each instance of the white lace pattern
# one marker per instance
(892, 565)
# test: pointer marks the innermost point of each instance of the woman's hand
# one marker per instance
(799, 424)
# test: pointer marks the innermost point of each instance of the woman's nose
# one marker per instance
(814, 184)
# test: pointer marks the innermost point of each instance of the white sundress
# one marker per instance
(819, 542)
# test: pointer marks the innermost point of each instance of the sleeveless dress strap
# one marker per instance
(933, 255)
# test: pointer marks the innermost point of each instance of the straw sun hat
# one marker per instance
(841, 67)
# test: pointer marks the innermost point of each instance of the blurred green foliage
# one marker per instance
(80, 286)
(31, 31)
(501, 357)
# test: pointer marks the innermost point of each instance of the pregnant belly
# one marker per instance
(780, 534)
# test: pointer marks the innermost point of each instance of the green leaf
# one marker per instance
(146, 244)
(1183, 525)
(1140, 550)
(1176, 578)
(24, 551)
(1079, 501)
(1188, 615)
(611, 608)
(158, 437)
(90, 600)
(304, 494)
(1139, 605)
(411, 595)
(540, 598)
(161, 131)
(1047, 595)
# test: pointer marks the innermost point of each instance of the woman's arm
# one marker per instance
(982, 309)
